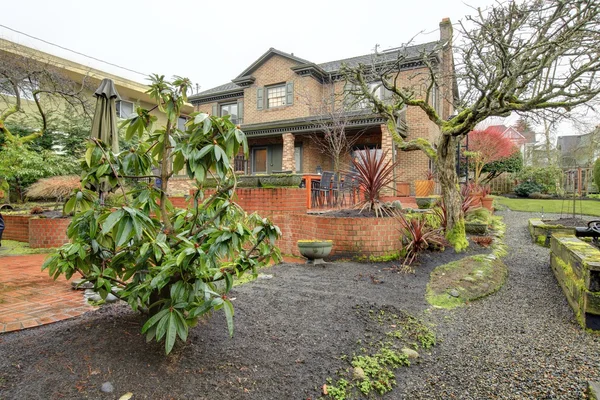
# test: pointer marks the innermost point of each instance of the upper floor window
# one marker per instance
(230, 109)
(124, 109)
(276, 96)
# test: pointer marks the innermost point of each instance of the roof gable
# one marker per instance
(265, 57)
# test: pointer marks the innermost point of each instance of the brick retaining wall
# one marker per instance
(16, 227)
(286, 207)
(48, 232)
(38, 232)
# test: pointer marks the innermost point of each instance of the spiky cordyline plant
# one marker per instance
(374, 174)
(419, 237)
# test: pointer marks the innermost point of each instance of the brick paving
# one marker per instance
(29, 297)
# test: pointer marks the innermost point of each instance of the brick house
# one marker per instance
(274, 100)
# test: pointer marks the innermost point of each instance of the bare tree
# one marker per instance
(27, 77)
(502, 64)
(331, 120)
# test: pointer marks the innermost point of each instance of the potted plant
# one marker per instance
(315, 250)
(487, 201)
(424, 188)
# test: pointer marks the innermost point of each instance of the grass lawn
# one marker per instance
(585, 207)
(14, 248)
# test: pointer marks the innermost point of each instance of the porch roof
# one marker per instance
(357, 120)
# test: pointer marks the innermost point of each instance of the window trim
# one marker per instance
(120, 109)
(231, 103)
(283, 86)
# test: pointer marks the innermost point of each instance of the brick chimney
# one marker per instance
(447, 79)
(445, 30)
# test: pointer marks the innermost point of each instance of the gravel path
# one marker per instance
(522, 342)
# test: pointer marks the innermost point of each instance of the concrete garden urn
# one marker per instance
(315, 250)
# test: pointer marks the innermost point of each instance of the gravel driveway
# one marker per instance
(519, 343)
(522, 342)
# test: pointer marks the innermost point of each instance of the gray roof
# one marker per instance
(222, 88)
(411, 52)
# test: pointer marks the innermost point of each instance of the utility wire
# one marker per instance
(73, 51)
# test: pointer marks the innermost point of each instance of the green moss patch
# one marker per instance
(14, 248)
(392, 341)
(459, 282)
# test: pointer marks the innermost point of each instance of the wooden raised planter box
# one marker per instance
(541, 231)
(576, 265)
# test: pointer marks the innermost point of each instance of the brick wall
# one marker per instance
(48, 232)
(38, 232)
(16, 227)
(351, 236)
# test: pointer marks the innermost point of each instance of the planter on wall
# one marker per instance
(280, 180)
(315, 250)
(248, 181)
(424, 188)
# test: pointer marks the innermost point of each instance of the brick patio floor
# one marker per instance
(29, 297)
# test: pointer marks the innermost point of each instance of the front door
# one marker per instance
(259, 160)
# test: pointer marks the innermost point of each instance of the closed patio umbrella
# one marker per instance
(104, 125)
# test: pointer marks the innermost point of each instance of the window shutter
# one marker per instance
(289, 89)
(240, 106)
(215, 110)
(260, 100)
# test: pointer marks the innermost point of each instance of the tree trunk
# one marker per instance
(446, 172)
(164, 178)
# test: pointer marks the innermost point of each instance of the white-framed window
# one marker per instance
(229, 109)
(276, 96)
(124, 108)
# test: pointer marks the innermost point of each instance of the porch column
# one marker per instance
(288, 162)
(387, 145)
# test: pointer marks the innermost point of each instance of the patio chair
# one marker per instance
(349, 188)
(323, 191)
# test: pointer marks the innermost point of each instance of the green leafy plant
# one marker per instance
(175, 265)
(510, 164)
(524, 189)
(548, 178)
(374, 174)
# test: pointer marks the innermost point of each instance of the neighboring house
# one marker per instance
(579, 150)
(132, 93)
(274, 100)
(511, 133)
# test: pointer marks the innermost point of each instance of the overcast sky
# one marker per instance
(211, 42)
